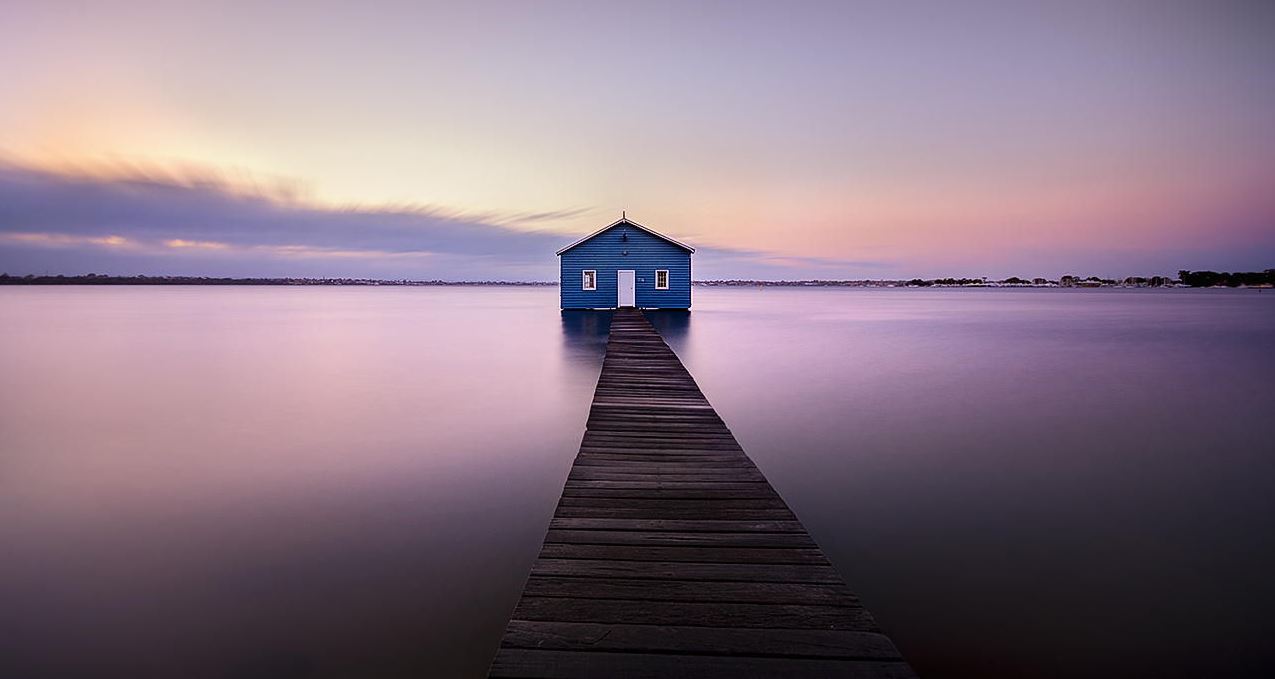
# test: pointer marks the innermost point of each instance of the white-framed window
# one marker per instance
(589, 279)
(661, 279)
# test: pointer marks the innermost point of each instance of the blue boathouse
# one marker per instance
(625, 264)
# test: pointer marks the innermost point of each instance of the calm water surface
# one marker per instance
(334, 482)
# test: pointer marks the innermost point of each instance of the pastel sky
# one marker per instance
(470, 140)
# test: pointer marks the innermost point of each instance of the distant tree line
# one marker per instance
(1087, 282)
(1209, 279)
(1195, 279)
(918, 282)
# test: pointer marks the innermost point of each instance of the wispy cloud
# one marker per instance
(185, 213)
(62, 240)
(199, 244)
(129, 219)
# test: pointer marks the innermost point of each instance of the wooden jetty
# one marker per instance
(670, 554)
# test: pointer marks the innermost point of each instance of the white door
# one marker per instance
(628, 288)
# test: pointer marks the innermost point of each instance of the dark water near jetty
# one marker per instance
(336, 482)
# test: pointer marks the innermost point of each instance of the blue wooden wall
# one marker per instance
(646, 253)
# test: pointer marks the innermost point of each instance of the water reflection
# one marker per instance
(1003, 473)
(584, 335)
(215, 482)
(673, 324)
(354, 482)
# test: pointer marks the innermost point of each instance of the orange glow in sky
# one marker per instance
(969, 142)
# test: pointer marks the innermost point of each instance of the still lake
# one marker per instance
(353, 482)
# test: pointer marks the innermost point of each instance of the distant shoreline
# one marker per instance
(95, 279)
(1186, 279)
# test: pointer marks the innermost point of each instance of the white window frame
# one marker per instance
(657, 279)
(589, 279)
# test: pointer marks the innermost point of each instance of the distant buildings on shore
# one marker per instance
(1184, 279)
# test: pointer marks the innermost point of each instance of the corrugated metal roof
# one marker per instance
(634, 224)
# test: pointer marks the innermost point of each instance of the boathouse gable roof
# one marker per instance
(627, 222)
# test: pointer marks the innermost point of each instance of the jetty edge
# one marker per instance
(670, 554)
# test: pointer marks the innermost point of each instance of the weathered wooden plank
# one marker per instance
(665, 413)
(702, 477)
(661, 416)
(719, 455)
(586, 636)
(822, 594)
(633, 448)
(636, 448)
(518, 662)
(677, 525)
(649, 385)
(651, 435)
(617, 425)
(662, 484)
(672, 409)
(642, 393)
(668, 463)
(703, 514)
(643, 447)
(698, 554)
(641, 403)
(658, 465)
(665, 416)
(666, 474)
(662, 570)
(670, 539)
(669, 494)
(687, 431)
(654, 502)
(598, 420)
(647, 377)
(661, 445)
(707, 456)
(661, 437)
(695, 613)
